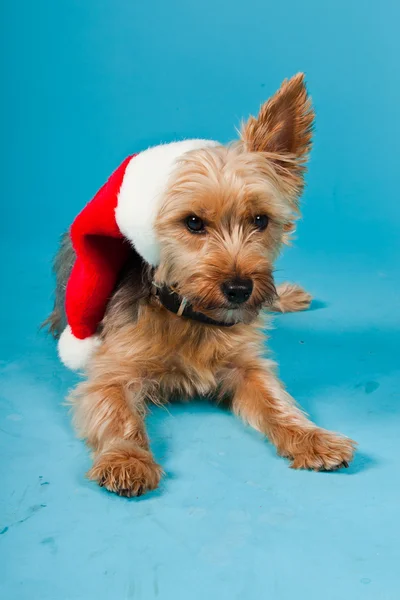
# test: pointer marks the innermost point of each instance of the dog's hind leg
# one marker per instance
(109, 414)
(291, 298)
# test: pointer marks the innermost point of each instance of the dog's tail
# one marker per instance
(291, 298)
(62, 266)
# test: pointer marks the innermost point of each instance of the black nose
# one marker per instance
(237, 291)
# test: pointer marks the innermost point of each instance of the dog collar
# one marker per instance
(180, 306)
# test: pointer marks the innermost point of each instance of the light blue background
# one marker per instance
(87, 82)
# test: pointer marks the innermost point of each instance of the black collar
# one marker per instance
(179, 306)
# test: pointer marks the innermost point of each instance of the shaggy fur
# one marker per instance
(148, 354)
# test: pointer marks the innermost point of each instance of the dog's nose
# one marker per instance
(237, 291)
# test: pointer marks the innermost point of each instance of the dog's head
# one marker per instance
(228, 210)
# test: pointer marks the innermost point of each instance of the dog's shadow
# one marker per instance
(317, 305)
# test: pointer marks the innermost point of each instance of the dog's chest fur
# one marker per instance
(180, 356)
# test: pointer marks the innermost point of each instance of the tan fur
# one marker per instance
(283, 129)
(126, 469)
(291, 298)
(149, 354)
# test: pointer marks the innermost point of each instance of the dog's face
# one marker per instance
(228, 210)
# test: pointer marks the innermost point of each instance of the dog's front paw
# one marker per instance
(126, 469)
(322, 450)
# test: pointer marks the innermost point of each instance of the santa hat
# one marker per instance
(121, 215)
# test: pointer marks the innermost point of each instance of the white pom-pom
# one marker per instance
(75, 353)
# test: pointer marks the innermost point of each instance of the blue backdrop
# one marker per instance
(84, 83)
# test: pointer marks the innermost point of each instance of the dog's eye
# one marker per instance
(261, 222)
(195, 224)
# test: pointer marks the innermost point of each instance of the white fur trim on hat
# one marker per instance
(73, 352)
(144, 183)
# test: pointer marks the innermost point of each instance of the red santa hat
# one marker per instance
(121, 215)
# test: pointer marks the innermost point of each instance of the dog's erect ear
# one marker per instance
(284, 125)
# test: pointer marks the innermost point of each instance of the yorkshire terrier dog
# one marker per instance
(193, 327)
